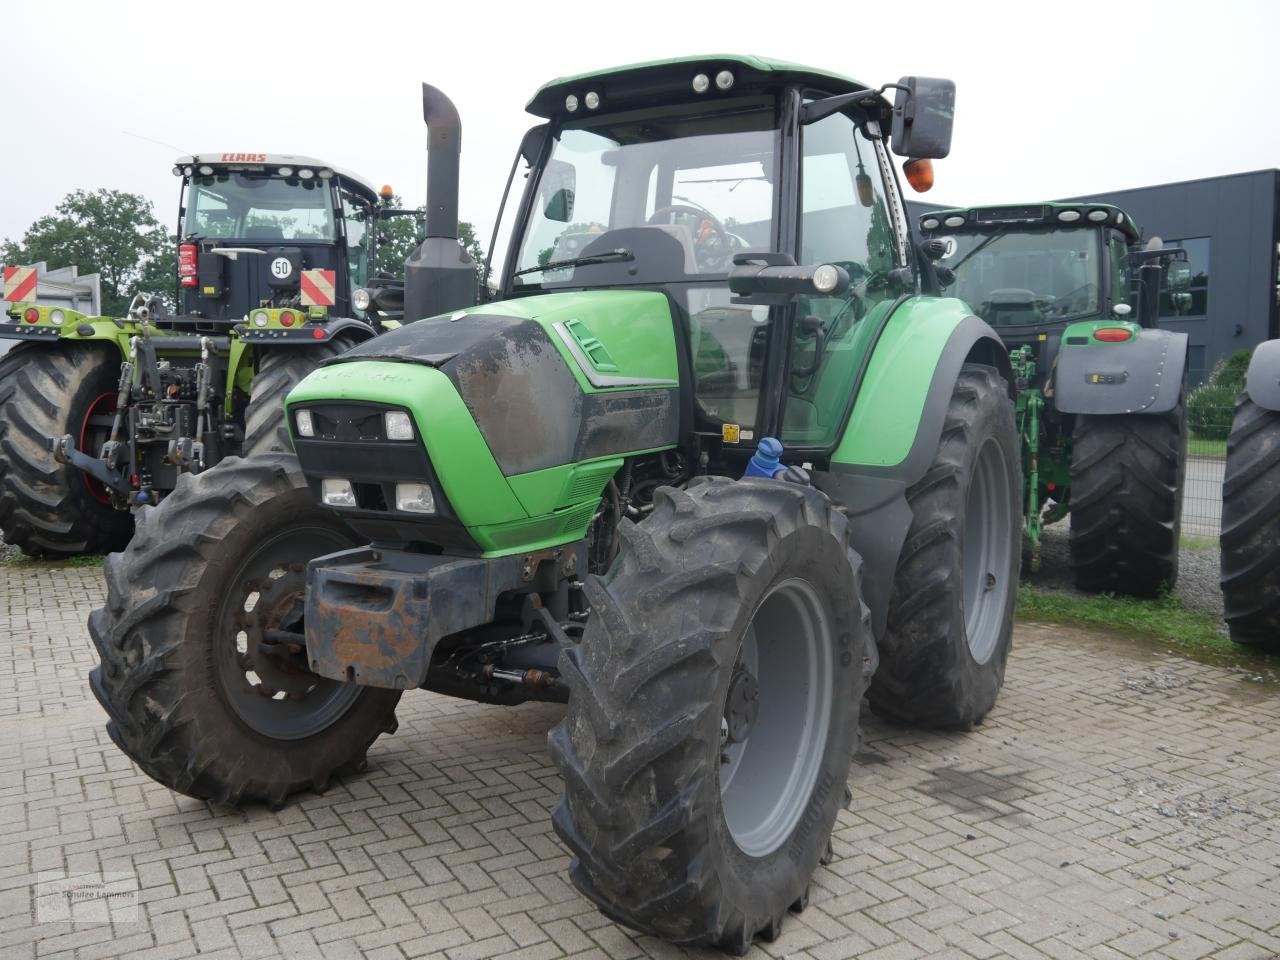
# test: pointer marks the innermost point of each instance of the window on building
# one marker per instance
(1198, 254)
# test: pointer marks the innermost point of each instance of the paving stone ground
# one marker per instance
(1119, 802)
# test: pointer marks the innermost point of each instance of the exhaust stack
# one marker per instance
(440, 276)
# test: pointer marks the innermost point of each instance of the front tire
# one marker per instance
(280, 370)
(49, 390)
(1250, 539)
(950, 623)
(1126, 502)
(201, 692)
(713, 712)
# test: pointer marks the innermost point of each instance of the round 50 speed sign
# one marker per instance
(281, 268)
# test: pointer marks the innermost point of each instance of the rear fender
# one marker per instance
(1140, 375)
(75, 327)
(1263, 377)
(894, 430)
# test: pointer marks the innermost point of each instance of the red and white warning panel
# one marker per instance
(317, 288)
(20, 283)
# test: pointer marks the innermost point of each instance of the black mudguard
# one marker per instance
(876, 497)
(1262, 380)
(1144, 376)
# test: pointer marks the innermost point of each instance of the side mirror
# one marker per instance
(1179, 274)
(924, 110)
(556, 189)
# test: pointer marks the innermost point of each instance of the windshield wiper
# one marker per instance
(981, 246)
(622, 254)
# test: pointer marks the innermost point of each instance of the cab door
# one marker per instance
(845, 219)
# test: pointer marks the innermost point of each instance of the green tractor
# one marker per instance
(1100, 387)
(1250, 541)
(104, 414)
(716, 462)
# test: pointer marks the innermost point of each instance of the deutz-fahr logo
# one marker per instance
(244, 158)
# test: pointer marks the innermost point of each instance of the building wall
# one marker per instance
(1239, 217)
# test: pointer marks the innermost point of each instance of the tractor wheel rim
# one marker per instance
(93, 436)
(986, 551)
(767, 779)
(275, 694)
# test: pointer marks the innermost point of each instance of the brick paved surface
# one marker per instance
(1118, 803)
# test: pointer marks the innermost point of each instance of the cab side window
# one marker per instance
(356, 217)
(845, 220)
(1119, 269)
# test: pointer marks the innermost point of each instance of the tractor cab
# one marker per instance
(1032, 270)
(270, 230)
(724, 184)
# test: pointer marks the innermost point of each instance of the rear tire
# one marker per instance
(1126, 502)
(216, 565)
(950, 623)
(280, 370)
(680, 827)
(48, 509)
(1250, 539)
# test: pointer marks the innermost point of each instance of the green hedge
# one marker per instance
(1209, 411)
(1211, 405)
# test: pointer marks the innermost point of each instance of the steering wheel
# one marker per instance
(711, 247)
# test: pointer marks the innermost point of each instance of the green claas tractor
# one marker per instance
(104, 414)
(1100, 388)
(1250, 541)
(715, 462)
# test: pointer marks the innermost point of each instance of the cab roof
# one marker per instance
(1046, 213)
(640, 84)
(270, 161)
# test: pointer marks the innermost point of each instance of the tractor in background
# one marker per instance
(1100, 386)
(716, 461)
(104, 414)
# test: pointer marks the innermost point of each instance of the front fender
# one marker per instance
(1262, 380)
(306, 335)
(1140, 375)
(896, 425)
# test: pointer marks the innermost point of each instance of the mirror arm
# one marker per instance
(819, 109)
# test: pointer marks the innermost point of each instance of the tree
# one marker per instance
(400, 236)
(109, 232)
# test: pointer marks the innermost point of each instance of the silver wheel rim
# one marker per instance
(766, 780)
(985, 556)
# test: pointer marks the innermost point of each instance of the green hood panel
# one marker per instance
(467, 470)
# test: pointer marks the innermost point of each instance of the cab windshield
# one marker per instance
(1013, 278)
(664, 198)
(249, 206)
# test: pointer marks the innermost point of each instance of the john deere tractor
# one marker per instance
(1100, 387)
(103, 414)
(717, 462)
(1250, 540)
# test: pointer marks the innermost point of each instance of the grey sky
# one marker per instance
(1053, 99)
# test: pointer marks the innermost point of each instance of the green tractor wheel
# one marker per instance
(950, 625)
(1251, 526)
(280, 370)
(47, 391)
(713, 712)
(204, 687)
(1126, 502)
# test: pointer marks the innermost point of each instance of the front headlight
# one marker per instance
(302, 420)
(337, 493)
(361, 299)
(415, 498)
(398, 424)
